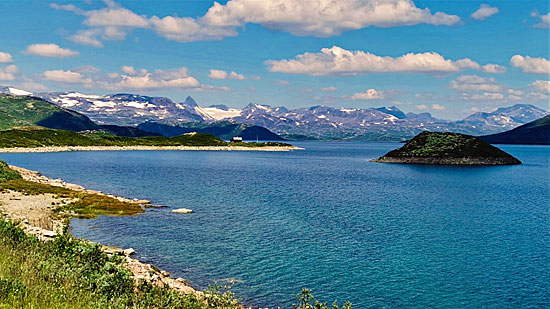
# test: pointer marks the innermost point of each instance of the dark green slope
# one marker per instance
(21, 111)
(533, 133)
(224, 130)
(442, 148)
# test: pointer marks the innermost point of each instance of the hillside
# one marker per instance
(444, 148)
(20, 111)
(534, 133)
(224, 130)
(39, 137)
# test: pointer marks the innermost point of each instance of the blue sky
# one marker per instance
(460, 56)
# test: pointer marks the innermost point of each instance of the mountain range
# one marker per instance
(317, 122)
(534, 133)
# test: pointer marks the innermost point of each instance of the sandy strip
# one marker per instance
(125, 148)
(36, 216)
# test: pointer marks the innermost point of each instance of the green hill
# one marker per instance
(21, 111)
(444, 148)
(533, 133)
(222, 129)
(41, 137)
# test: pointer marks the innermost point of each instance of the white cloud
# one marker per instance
(217, 74)
(49, 50)
(370, 94)
(283, 82)
(438, 107)
(8, 73)
(531, 65)
(487, 96)
(485, 11)
(68, 76)
(475, 83)
(544, 19)
(234, 75)
(421, 106)
(129, 70)
(541, 85)
(133, 79)
(87, 37)
(5, 58)
(321, 18)
(33, 86)
(330, 89)
(339, 61)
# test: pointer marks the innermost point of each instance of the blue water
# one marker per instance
(379, 235)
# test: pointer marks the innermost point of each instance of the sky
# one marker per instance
(450, 58)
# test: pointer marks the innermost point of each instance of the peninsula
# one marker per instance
(444, 148)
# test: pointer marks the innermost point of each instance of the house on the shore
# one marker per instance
(236, 139)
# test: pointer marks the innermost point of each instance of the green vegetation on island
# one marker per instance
(444, 148)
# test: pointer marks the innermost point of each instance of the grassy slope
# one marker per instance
(536, 132)
(40, 137)
(71, 273)
(17, 111)
(447, 145)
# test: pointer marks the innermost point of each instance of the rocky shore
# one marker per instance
(36, 216)
(123, 148)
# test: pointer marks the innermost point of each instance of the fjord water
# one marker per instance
(379, 235)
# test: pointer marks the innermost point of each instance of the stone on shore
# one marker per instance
(182, 211)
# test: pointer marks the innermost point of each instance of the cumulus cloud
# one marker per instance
(217, 74)
(370, 94)
(5, 58)
(485, 11)
(8, 73)
(339, 61)
(220, 74)
(133, 79)
(62, 76)
(234, 75)
(283, 82)
(438, 107)
(475, 83)
(541, 85)
(531, 65)
(49, 50)
(544, 20)
(321, 18)
(330, 89)
(487, 96)
(421, 106)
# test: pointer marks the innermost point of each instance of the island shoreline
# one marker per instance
(146, 148)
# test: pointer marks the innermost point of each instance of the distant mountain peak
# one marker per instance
(14, 91)
(190, 101)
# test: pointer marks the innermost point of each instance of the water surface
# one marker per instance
(379, 235)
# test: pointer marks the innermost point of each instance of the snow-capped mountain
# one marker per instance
(384, 123)
(14, 91)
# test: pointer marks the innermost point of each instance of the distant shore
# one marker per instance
(128, 148)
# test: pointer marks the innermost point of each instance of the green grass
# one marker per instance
(72, 273)
(447, 145)
(18, 111)
(40, 137)
(83, 205)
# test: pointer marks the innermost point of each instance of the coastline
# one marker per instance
(36, 216)
(128, 148)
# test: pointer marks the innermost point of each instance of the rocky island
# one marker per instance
(444, 148)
